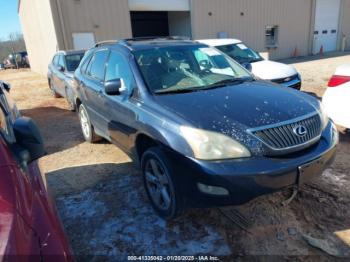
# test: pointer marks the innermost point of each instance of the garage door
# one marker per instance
(326, 25)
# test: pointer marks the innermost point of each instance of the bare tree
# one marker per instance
(14, 43)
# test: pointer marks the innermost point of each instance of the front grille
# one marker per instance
(283, 136)
(285, 79)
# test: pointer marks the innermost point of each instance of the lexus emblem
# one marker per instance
(300, 130)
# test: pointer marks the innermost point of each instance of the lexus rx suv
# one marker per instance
(205, 132)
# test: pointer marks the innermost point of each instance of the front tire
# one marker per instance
(52, 90)
(160, 184)
(86, 127)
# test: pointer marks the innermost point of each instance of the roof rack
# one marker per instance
(108, 42)
(145, 38)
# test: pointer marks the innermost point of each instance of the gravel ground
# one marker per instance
(104, 209)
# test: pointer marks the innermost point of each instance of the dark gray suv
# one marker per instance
(204, 131)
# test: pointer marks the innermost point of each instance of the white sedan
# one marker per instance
(336, 100)
(268, 70)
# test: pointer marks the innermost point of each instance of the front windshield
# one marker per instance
(73, 61)
(241, 53)
(187, 68)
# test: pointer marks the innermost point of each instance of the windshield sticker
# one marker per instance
(210, 51)
(242, 46)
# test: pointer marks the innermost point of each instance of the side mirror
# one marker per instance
(61, 68)
(28, 136)
(247, 66)
(112, 87)
(205, 64)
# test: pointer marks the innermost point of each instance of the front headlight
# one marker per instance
(323, 115)
(207, 145)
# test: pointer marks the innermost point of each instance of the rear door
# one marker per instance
(60, 84)
(120, 108)
(93, 87)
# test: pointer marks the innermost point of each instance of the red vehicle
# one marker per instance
(29, 226)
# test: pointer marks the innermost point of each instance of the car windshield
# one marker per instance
(73, 61)
(241, 53)
(188, 68)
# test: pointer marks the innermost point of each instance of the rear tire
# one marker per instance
(70, 101)
(160, 184)
(86, 127)
(52, 90)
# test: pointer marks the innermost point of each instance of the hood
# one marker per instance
(269, 70)
(238, 107)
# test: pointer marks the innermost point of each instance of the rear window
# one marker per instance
(73, 61)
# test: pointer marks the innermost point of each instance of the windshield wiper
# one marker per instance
(221, 83)
(178, 91)
(226, 82)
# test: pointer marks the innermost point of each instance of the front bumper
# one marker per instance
(292, 82)
(246, 179)
(295, 84)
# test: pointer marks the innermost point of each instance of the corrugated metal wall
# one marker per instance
(107, 19)
(39, 33)
(292, 16)
(345, 23)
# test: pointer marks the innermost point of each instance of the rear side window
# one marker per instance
(96, 67)
(118, 68)
(61, 61)
(55, 60)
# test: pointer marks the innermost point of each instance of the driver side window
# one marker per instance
(118, 68)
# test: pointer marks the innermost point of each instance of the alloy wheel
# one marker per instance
(85, 125)
(157, 182)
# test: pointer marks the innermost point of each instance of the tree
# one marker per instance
(14, 43)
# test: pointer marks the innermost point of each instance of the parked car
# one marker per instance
(205, 132)
(60, 74)
(268, 70)
(336, 99)
(7, 102)
(29, 226)
(19, 59)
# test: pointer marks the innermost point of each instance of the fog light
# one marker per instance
(212, 190)
(335, 134)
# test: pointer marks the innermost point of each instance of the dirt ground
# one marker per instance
(102, 204)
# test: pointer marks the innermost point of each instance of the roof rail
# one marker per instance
(108, 42)
(145, 38)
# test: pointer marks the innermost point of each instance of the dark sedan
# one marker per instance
(60, 75)
(205, 132)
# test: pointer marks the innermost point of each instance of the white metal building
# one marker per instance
(282, 28)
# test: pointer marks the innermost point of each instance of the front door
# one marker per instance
(326, 26)
(121, 123)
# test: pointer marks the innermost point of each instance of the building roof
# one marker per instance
(219, 42)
